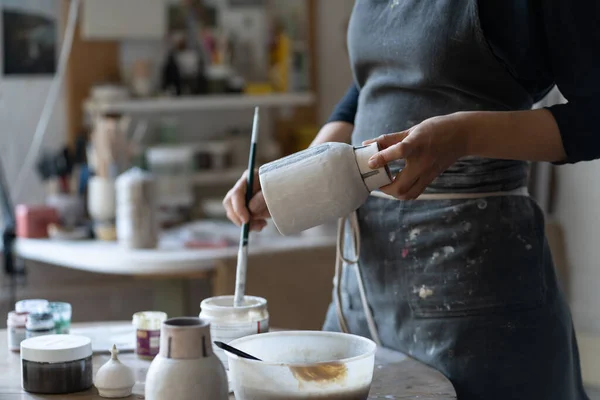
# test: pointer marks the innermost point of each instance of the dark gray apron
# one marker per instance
(465, 285)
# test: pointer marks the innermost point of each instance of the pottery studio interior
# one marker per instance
(191, 196)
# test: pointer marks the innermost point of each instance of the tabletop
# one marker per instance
(169, 258)
(396, 376)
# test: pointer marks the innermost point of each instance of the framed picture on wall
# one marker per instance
(28, 41)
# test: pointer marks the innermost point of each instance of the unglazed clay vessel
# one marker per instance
(186, 367)
(114, 380)
(319, 185)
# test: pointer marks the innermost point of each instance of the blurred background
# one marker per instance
(164, 90)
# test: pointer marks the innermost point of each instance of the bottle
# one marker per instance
(319, 185)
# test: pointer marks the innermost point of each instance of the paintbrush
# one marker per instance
(242, 261)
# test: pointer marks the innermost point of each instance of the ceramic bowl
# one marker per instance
(303, 364)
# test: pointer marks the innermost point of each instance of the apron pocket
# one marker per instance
(495, 266)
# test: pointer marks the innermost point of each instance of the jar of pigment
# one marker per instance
(16, 329)
(61, 313)
(147, 325)
(31, 306)
(39, 324)
(228, 323)
(56, 364)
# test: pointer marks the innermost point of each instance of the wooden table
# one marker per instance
(396, 377)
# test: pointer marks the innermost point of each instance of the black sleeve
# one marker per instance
(573, 41)
(345, 110)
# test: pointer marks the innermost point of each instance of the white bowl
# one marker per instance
(303, 364)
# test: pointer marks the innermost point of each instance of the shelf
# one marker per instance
(228, 176)
(202, 103)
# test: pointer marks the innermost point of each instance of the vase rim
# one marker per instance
(186, 323)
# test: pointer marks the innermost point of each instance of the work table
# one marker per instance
(396, 377)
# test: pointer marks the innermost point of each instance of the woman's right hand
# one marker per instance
(235, 204)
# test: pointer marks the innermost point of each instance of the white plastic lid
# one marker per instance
(373, 178)
(31, 305)
(56, 348)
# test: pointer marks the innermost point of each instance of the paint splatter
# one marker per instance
(448, 250)
(405, 252)
(425, 292)
(431, 350)
(414, 234)
(392, 236)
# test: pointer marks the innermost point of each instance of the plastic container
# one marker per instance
(148, 324)
(228, 323)
(31, 305)
(319, 185)
(40, 324)
(172, 166)
(56, 364)
(16, 330)
(303, 364)
(61, 313)
(137, 213)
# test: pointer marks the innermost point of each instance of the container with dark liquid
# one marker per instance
(56, 364)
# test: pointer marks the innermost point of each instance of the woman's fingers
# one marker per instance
(403, 182)
(394, 152)
(388, 139)
(258, 225)
(238, 199)
(258, 206)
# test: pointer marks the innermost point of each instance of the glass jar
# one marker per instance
(16, 329)
(61, 313)
(148, 324)
(39, 324)
(228, 323)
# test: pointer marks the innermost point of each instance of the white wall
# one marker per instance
(21, 102)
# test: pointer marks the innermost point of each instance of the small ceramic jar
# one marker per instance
(114, 380)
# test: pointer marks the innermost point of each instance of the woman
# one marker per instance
(455, 264)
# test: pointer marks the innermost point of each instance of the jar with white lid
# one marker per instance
(228, 323)
(31, 305)
(40, 324)
(56, 364)
(16, 329)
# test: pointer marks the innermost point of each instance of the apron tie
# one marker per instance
(342, 261)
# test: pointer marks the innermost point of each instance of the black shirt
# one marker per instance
(542, 43)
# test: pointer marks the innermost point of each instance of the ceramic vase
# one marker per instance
(186, 367)
(319, 185)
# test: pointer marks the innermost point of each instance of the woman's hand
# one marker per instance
(235, 204)
(428, 148)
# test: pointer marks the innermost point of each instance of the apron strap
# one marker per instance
(340, 265)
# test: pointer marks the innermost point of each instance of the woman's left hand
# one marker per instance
(428, 148)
